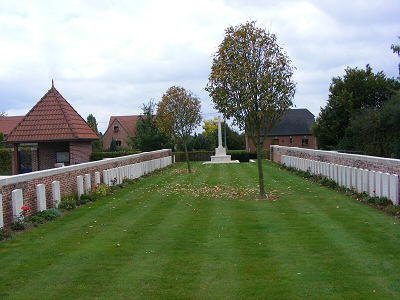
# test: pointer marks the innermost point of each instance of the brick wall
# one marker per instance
(380, 164)
(80, 152)
(47, 154)
(119, 134)
(289, 141)
(67, 178)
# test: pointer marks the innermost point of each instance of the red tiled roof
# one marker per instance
(7, 124)
(52, 119)
(128, 123)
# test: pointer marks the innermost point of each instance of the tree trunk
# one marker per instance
(263, 194)
(187, 157)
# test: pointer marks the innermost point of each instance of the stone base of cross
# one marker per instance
(220, 152)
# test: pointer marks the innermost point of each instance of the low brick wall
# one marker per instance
(372, 163)
(67, 176)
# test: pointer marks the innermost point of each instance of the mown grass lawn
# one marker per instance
(205, 236)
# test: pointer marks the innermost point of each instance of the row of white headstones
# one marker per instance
(84, 184)
(375, 184)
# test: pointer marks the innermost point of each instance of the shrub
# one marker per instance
(5, 233)
(242, 155)
(381, 201)
(19, 224)
(56, 212)
(393, 210)
(67, 204)
(193, 156)
(101, 190)
(44, 216)
(5, 161)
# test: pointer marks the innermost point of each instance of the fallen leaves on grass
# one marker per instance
(207, 191)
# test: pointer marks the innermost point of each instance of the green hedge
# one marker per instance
(5, 161)
(193, 156)
(101, 155)
(240, 155)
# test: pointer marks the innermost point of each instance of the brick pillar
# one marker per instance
(35, 159)
(15, 160)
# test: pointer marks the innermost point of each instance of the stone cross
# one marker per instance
(219, 133)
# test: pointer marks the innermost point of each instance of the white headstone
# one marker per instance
(340, 175)
(365, 181)
(88, 183)
(378, 184)
(386, 185)
(347, 171)
(354, 173)
(41, 197)
(97, 178)
(79, 182)
(360, 183)
(394, 189)
(371, 188)
(17, 203)
(55, 189)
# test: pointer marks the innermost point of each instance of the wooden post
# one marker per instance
(17, 167)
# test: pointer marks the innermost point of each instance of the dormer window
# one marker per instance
(116, 128)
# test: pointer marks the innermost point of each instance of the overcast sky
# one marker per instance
(109, 57)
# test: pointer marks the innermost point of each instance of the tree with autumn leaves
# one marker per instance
(178, 115)
(251, 82)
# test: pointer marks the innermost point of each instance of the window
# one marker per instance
(290, 140)
(304, 141)
(116, 128)
(118, 143)
(275, 141)
(62, 157)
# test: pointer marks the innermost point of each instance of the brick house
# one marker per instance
(62, 136)
(120, 128)
(7, 124)
(293, 130)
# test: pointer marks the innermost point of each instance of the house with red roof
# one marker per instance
(62, 136)
(7, 124)
(120, 128)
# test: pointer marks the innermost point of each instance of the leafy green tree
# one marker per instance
(375, 131)
(113, 145)
(396, 49)
(251, 82)
(2, 143)
(3, 113)
(210, 131)
(234, 140)
(200, 142)
(357, 91)
(148, 136)
(178, 114)
(91, 120)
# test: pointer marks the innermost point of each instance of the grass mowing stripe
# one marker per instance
(338, 232)
(251, 249)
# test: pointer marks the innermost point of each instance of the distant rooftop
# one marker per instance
(7, 124)
(127, 122)
(294, 122)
